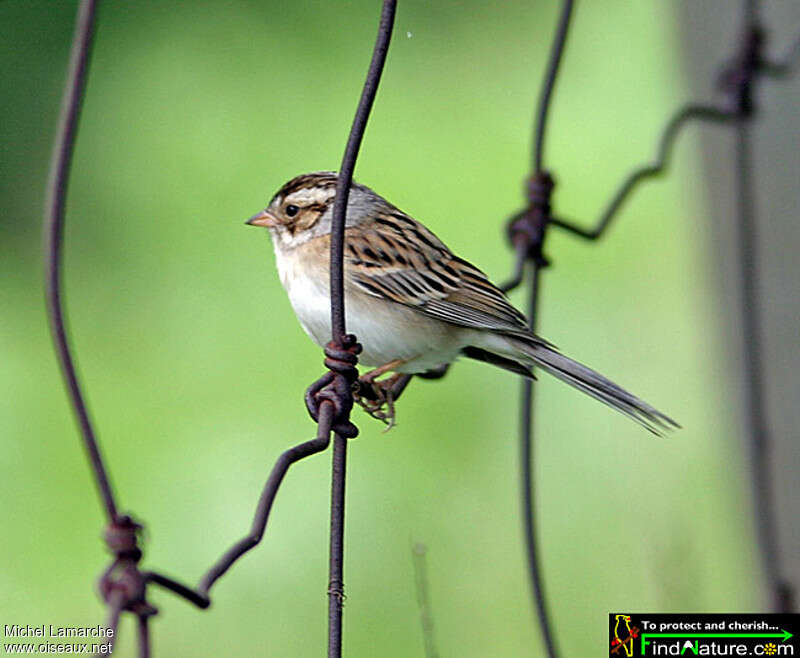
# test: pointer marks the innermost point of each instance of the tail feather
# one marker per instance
(594, 384)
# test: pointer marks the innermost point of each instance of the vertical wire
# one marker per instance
(336, 563)
(527, 484)
(338, 471)
(348, 165)
(58, 182)
(556, 51)
(526, 407)
(115, 604)
(143, 624)
(752, 338)
(760, 439)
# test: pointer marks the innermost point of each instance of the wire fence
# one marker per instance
(329, 400)
(528, 229)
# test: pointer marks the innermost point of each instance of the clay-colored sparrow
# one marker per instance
(412, 303)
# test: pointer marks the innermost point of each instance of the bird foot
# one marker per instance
(377, 399)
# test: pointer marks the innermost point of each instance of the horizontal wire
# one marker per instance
(687, 113)
(782, 67)
(259, 524)
(54, 232)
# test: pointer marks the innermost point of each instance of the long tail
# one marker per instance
(594, 384)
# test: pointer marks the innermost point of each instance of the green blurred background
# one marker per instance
(195, 366)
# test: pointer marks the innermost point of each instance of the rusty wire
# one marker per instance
(737, 79)
(739, 84)
(264, 507)
(329, 400)
(551, 76)
(339, 338)
(66, 133)
(681, 118)
(527, 232)
(122, 585)
(780, 592)
(528, 228)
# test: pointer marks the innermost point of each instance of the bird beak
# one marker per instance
(263, 218)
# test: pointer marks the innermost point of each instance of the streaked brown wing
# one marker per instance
(397, 258)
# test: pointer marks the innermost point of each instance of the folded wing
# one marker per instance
(398, 259)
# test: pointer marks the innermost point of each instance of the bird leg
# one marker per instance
(372, 375)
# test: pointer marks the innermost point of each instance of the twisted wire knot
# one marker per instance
(737, 77)
(527, 229)
(122, 538)
(343, 360)
(336, 386)
(123, 583)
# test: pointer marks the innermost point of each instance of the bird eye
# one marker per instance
(291, 210)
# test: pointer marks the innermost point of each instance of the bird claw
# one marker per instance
(377, 399)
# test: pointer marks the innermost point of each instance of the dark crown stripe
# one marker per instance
(323, 180)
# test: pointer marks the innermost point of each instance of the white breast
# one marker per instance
(308, 295)
(386, 330)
